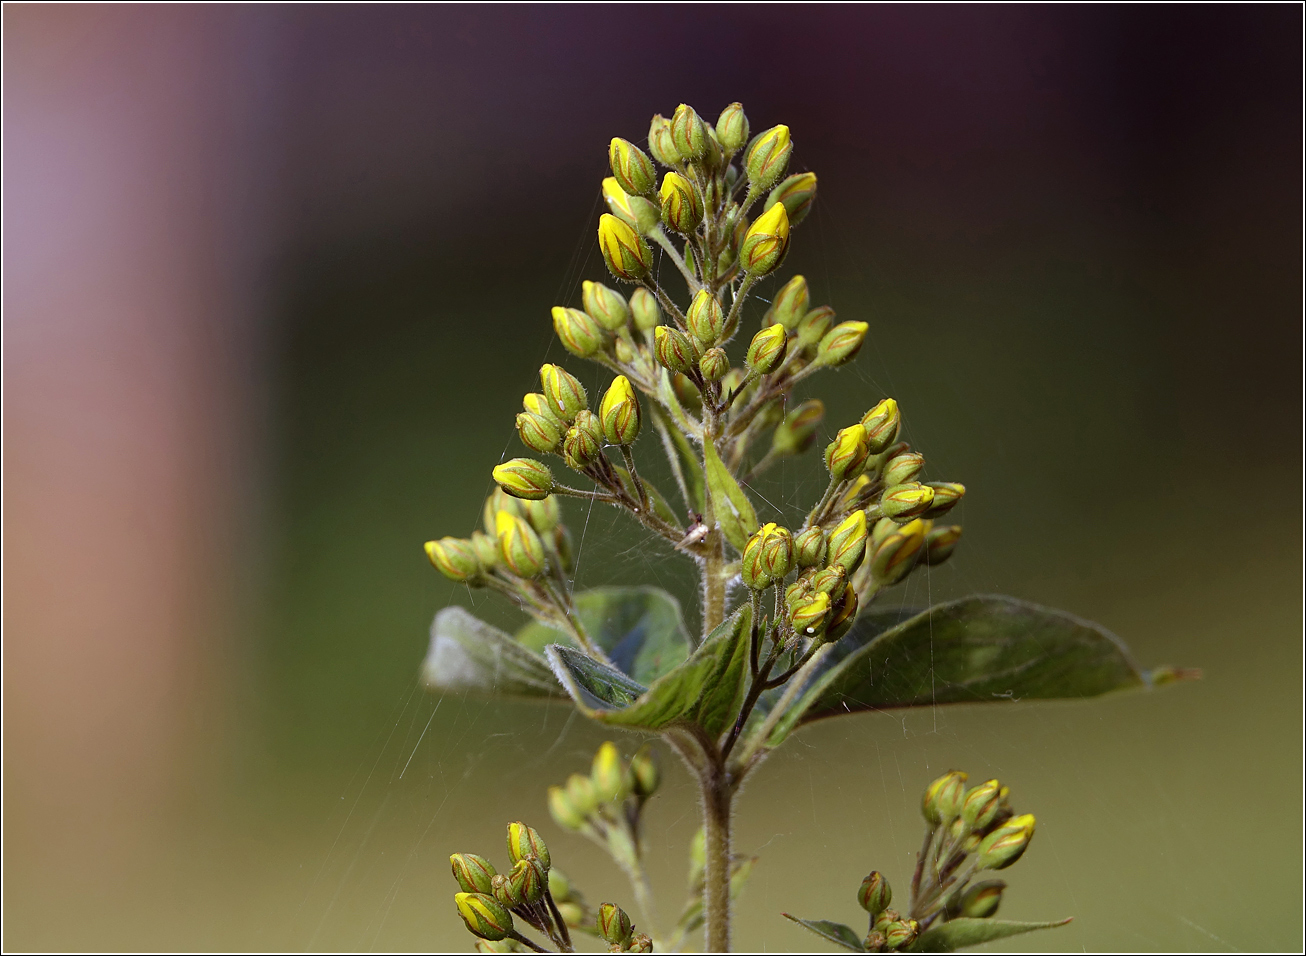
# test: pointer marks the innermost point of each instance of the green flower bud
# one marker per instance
(472, 872)
(874, 941)
(842, 615)
(505, 893)
(807, 615)
(539, 433)
(943, 798)
(580, 335)
(840, 344)
(525, 843)
(644, 773)
(809, 548)
(608, 774)
(562, 810)
(829, 580)
(790, 304)
(882, 423)
(981, 804)
(1007, 844)
(496, 502)
(605, 306)
(484, 916)
(583, 443)
(580, 790)
(732, 128)
(613, 924)
(768, 157)
(906, 500)
(679, 204)
(635, 211)
(705, 319)
(778, 552)
(564, 393)
(543, 514)
(902, 468)
(631, 167)
(752, 567)
(848, 542)
(559, 885)
(644, 309)
(797, 432)
(626, 253)
(767, 350)
(885, 918)
(659, 142)
(900, 933)
(519, 545)
(455, 558)
(486, 548)
(883, 528)
(897, 554)
(940, 543)
(814, 326)
(846, 455)
(640, 943)
(797, 193)
(766, 242)
(527, 881)
(619, 413)
(946, 495)
(714, 364)
(673, 349)
(688, 133)
(981, 900)
(524, 478)
(875, 893)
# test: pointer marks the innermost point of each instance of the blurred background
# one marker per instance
(277, 277)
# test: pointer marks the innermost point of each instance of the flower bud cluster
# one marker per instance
(611, 795)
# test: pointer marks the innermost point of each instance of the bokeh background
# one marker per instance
(276, 278)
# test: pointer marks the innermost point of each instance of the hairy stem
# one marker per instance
(717, 796)
(660, 237)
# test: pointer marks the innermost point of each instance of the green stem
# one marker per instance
(757, 741)
(660, 237)
(717, 796)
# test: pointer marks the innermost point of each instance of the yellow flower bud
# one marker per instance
(705, 319)
(902, 468)
(681, 210)
(732, 127)
(765, 242)
(564, 813)
(485, 917)
(583, 443)
(631, 166)
(455, 558)
(798, 430)
(688, 133)
(627, 255)
(906, 500)
(524, 478)
(841, 343)
(644, 309)
(767, 350)
(659, 141)
(848, 542)
(673, 349)
(946, 495)
(525, 843)
(940, 543)
(539, 433)
(943, 798)
(608, 774)
(605, 306)
(714, 364)
(790, 304)
(519, 545)
(808, 614)
(580, 335)
(768, 157)
(846, 455)
(882, 423)
(472, 872)
(619, 413)
(563, 391)
(797, 193)
(1007, 844)
(843, 614)
(635, 211)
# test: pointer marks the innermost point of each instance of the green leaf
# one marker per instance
(684, 462)
(641, 629)
(836, 933)
(705, 691)
(733, 511)
(984, 648)
(964, 931)
(466, 654)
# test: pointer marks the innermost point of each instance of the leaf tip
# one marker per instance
(1161, 676)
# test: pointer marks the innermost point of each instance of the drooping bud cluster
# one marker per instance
(488, 900)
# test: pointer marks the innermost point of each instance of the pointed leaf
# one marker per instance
(734, 512)
(641, 629)
(466, 654)
(705, 691)
(964, 931)
(981, 648)
(836, 933)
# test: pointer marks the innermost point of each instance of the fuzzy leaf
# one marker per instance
(837, 933)
(706, 690)
(964, 931)
(466, 654)
(734, 512)
(640, 629)
(977, 649)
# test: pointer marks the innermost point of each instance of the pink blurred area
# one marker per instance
(131, 317)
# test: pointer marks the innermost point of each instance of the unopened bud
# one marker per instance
(808, 614)
(627, 254)
(790, 304)
(732, 128)
(940, 543)
(874, 941)
(580, 790)
(875, 893)
(848, 542)
(659, 141)
(906, 501)
(485, 917)
(903, 468)
(519, 545)
(900, 933)
(486, 548)
(829, 580)
(752, 567)
(605, 306)
(455, 558)
(943, 798)
(705, 319)
(897, 554)
(767, 350)
(565, 394)
(688, 133)
(608, 774)
(543, 514)
(797, 192)
(679, 204)
(639, 213)
(981, 804)
(580, 335)
(768, 157)
(809, 548)
(714, 364)
(525, 843)
(778, 552)
(498, 501)
(613, 924)
(814, 326)
(644, 309)
(982, 900)
(882, 423)
(527, 880)
(524, 478)
(539, 433)
(472, 872)
(673, 349)
(619, 413)
(840, 344)
(563, 811)
(946, 495)
(644, 772)
(583, 443)
(1007, 844)
(640, 943)
(797, 432)
(765, 242)
(843, 614)
(631, 167)
(846, 455)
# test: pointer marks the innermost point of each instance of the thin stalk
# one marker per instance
(529, 944)
(635, 479)
(660, 237)
(757, 741)
(564, 933)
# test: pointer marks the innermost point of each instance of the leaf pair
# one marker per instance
(941, 938)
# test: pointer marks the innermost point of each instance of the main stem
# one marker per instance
(717, 796)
